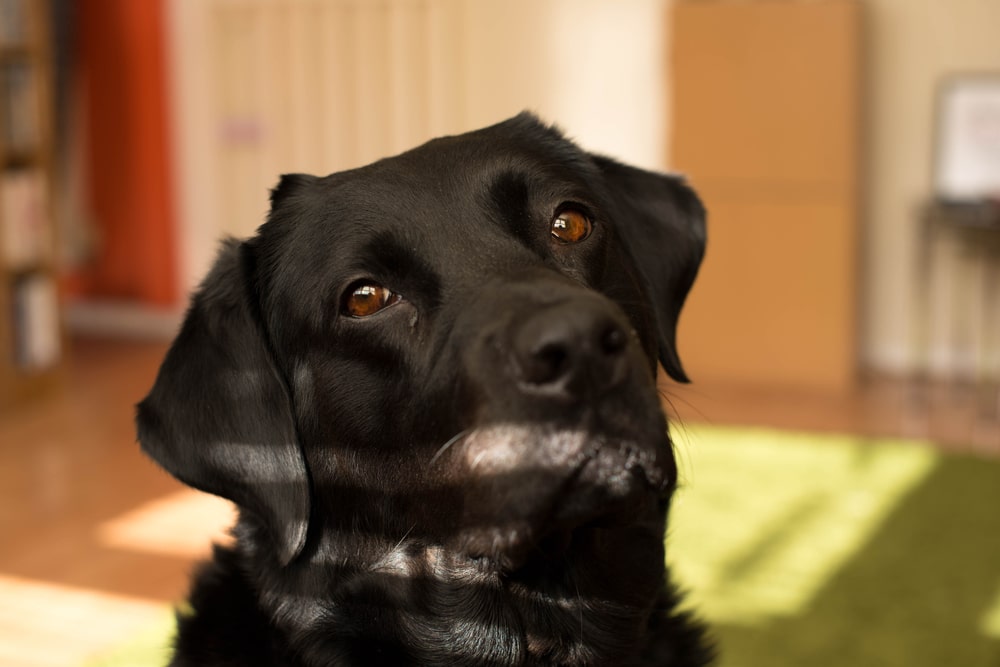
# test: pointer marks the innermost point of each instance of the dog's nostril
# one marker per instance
(613, 341)
(547, 363)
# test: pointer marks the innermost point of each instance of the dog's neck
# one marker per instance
(433, 606)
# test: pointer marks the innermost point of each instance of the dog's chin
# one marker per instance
(518, 547)
(546, 499)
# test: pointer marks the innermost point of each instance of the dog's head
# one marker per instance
(458, 344)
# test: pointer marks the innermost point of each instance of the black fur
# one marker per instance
(480, 473)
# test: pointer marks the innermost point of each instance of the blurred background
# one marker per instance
(840, 443)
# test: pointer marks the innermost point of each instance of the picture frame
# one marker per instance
(967, 150)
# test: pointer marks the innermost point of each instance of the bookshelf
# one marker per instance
(31, 334)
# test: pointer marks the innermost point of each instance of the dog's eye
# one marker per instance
(367, 299)
(570, 226)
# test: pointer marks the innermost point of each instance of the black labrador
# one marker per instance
(429, 386)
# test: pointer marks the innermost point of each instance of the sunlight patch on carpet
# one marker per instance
(990, 625)
(51, 625)
(771, 520)
(149, 648)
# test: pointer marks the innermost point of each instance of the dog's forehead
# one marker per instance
(452, 207)
(463, 171)
(486, 182)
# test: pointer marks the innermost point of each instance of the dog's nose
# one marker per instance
(572, 349)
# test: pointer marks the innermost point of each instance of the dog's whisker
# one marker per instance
(479, 457)
(403, 538)
(579, 600)
(446, 446)
(670, 399)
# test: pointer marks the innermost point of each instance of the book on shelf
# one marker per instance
(19, 93)
(37, 335)
(25, 225)
(13, 23)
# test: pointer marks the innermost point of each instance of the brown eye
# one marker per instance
(570, 226)
(368, 299)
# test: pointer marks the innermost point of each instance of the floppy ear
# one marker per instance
(663, 228)
(219, 417)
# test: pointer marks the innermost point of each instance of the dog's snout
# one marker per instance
(572, 349)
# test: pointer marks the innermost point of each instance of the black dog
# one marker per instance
(429, 386)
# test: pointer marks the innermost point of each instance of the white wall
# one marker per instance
(598, 68)
(263, 87)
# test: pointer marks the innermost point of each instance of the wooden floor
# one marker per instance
(77, 570)
(95, 539)
(961, 417)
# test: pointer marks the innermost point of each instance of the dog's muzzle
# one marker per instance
(569, 429)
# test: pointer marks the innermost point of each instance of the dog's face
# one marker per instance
(457, 347)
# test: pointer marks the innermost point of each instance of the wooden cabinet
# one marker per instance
(766, 126)
(31, 337)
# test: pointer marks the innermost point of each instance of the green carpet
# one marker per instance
(814, 550)
(828, 550)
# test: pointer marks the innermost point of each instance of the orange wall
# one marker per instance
(766, 125)
(127, 161)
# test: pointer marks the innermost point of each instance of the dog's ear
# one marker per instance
(219, 417)
(663, 228)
